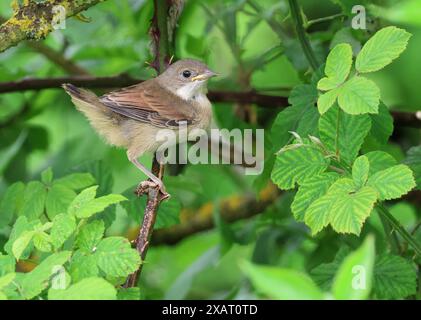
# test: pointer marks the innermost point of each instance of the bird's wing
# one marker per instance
(149, 103)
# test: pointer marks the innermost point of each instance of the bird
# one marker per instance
(131, 117)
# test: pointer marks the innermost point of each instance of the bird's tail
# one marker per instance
(100, 117)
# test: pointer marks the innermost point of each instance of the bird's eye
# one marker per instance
(186, 74)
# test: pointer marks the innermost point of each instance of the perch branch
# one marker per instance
(34, 20)
(162, 52)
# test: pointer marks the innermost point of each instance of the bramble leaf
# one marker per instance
(327, 100)
(63, 227)
(360, 170)
(86, 289)
(89, 236)
(58, 200)
(379, 161)
(33, 200)
(413, 160)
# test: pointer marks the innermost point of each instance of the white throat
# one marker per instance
(191, 90)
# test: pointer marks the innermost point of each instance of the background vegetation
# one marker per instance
(222, 235)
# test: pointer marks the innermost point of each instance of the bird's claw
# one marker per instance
(144, 186)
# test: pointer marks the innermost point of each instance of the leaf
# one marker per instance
(303, 95)
(279, 283)
(89, 236)
(392, 183)
(296, 165)
(34, 282)
(384, 47)
(58, 200)
(6, 279)
(76, 181)
(349, 135)
(86, 289)
(99, 204)
(381, 125)
(7, 264)
(21, 225)
(327, 100)
(128, 294)
(7, 154)
(312, 189)
(82, 199)
(21, 243)
(338, 66)
(343, 207)
(63, 227)
(358, 96)
(47, 176)
(116, 258)
(11, 202)
(354, 278)
(413, 160)
(42, 241)
(394, 277)
(33, 200)
(379, 161)
(82, 266)
(360, 171)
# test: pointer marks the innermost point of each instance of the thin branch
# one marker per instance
(34, 20)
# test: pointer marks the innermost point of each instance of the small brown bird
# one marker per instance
(131, 117)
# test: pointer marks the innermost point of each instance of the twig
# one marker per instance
(34, 20)
(162, 52)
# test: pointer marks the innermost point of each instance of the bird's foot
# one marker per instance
(143, 188)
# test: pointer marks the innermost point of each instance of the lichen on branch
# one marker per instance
(34, 20)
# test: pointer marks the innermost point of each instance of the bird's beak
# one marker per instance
(205, 75)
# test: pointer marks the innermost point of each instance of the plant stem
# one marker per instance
(400, 229)
(299, 28)
(324, 19)
(390, 235)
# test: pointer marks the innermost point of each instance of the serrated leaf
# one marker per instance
(33, 200)
(86, 289)
(303, 94)
(394, 277)
(379, 51)
(98, 205)
(21, 243)
(47, 176)
(21, 225)
(284, 284)
(338, 66)
(116, 258)
(7, 264)
(381, 125)
(6, 279)
(359, 95)
(34, 282)
(82, 199)
(413, 160)
(327, 100)
(58, 200)
(82, 266)
(89, 236)
(63, 227)
(42, 241)
(296, 165)
(379, 161)
(11, 202)
(355, 275)
(392, 183)
(128, 294)
(343, 133)
(76, 181)
(360, 170)
(311, 190)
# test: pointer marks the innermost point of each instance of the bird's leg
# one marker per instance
(155, 180)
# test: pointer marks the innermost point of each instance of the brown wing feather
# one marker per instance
(149, 103)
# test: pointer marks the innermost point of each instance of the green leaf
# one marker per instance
(63, 227)
(358, 96)
(33, 200)
(58, 200)
(8, 153)
(279, 283)
(381, 125)
(128, 294)
(11, 202)
(296, 165)
(413, 160)
(82, 199)
(98, 205)
(394, 277)
(86, 289)
(21, 225)
(312, 189)
(327, 100)
(7, 264)
(344, 132)
(6, 279)
(116, 258)
(82, 266)
(385, 46)
(360, 171)
(42, 241)
(354, 278)
(89, 236)
(303, 95)
(379, 161)
(21, 243)
(34, 282)
(47, 176)
(338, 66)
(343, 207)
(392, 183)
(76, 181)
